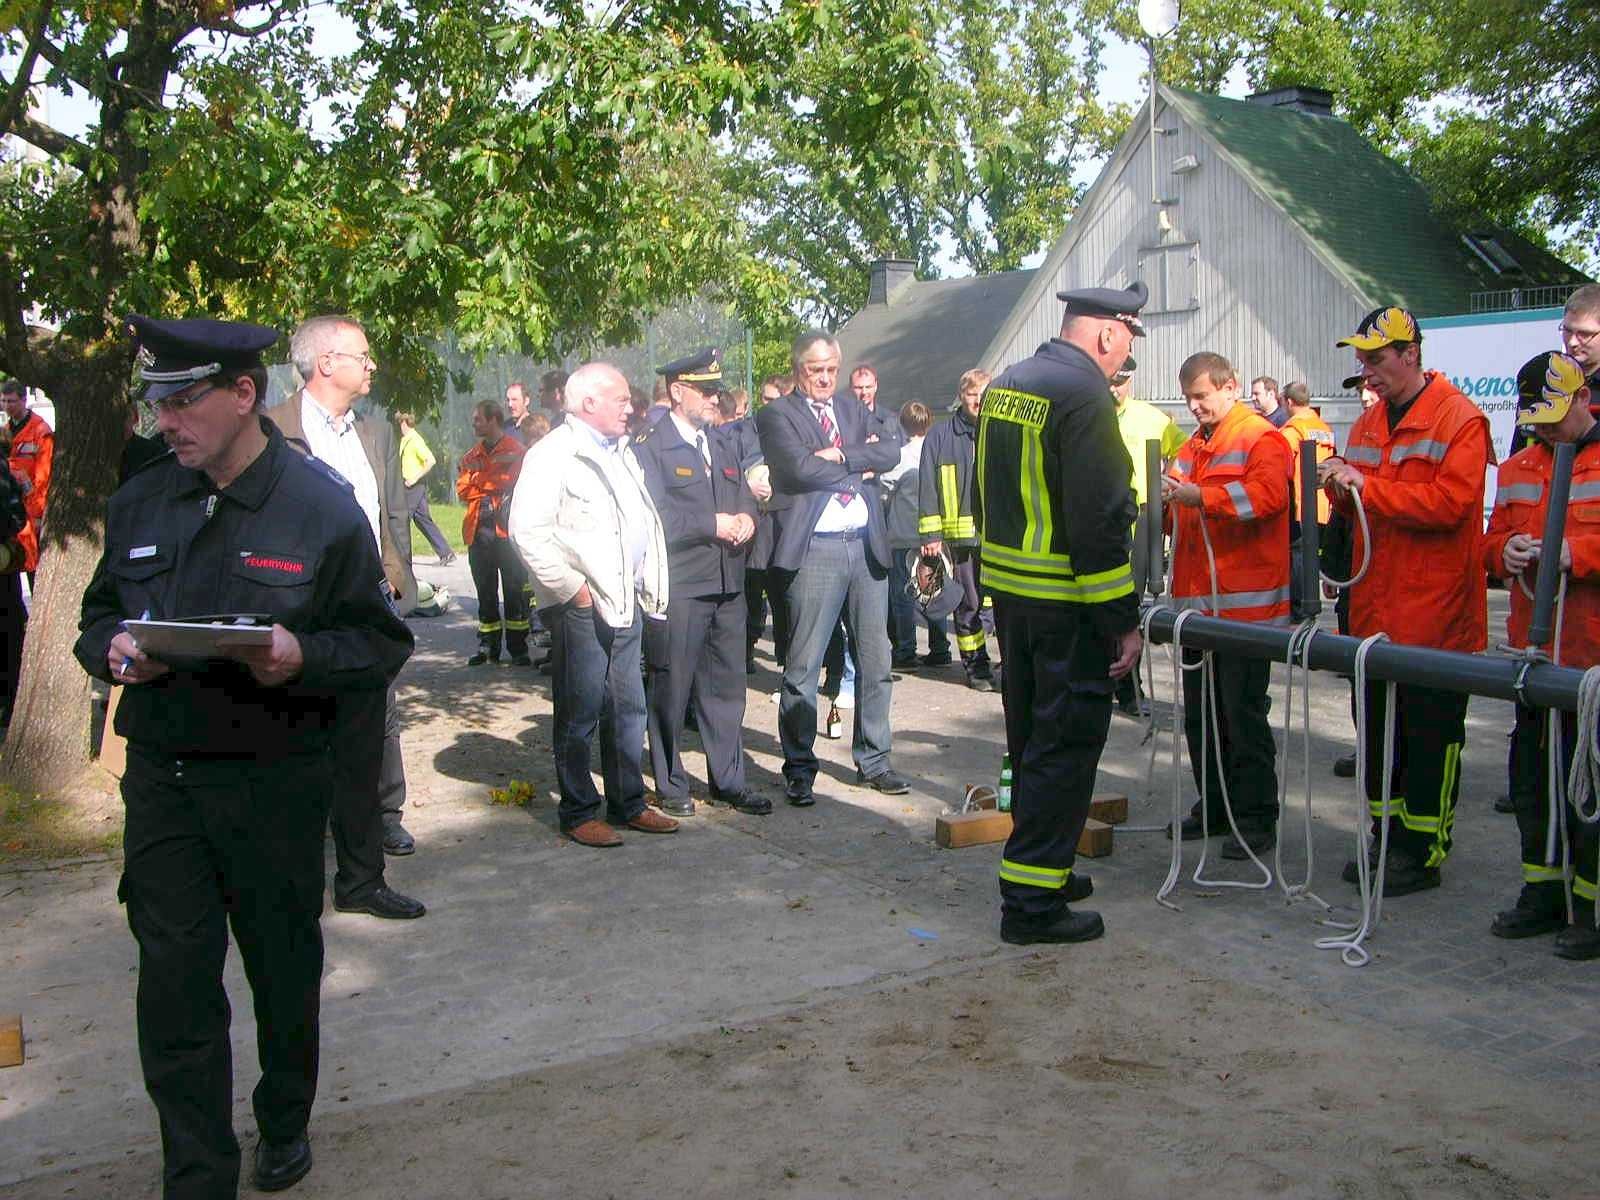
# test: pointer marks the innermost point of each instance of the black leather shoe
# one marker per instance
(981, 683)
(888, 782)
(385, 902)
(447, 559)
(482, 658)
(521, 660)
(1259, 841)
(756, 806)
(397, 842)
(281, 1165)
(1066, 926)
(675, 807)
(1345, 766)
(1193, 832)
(798, 793)
(1540, 908)
(1503, 804)
(905, 664)
(937, 660)
(1579, 941)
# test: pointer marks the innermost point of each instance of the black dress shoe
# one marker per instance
(1503, 803)
(385, 902)
(1579, 941)
(482, 658)
(798, 793)
(1540, 908)
(1345, 766)
(937, 660)
(888, 782)
(905, 664)
(281, 1165)
(1066, 926)
(397, 842)
(756, 806)
(1259, 841)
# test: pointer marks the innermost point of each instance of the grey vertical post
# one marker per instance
(1310, 566)
(1155, 543)
(1555, 524)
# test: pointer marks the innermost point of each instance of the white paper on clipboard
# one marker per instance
(195, 640)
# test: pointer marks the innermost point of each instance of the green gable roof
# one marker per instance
(1362, 210)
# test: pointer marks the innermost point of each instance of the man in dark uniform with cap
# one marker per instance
(229, 768)
(696, 653)
(1054, 509)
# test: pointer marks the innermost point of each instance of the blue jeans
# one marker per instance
(903, 614)
(836, 577)
(597, 686)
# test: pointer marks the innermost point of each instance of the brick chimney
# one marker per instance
(888, 276)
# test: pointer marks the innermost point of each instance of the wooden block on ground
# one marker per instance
(955, 830)
(1110, 807)
(1095, 841)
(11, 1040)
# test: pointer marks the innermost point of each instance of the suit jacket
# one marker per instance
(689, 497)
(394, 514)
(803, 484)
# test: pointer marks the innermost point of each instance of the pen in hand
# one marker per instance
(128, 662)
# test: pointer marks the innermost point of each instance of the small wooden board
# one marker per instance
(11, 1040)
(980, 828)
(1110, 807)
(1095, 840)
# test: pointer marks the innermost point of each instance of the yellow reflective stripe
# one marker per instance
(1033, 478)
(1447, 808)
(949, 505)
(1539, 873)
(961, 527)
(929, 524)
(489, 626)
(1043, 587)
(1025, 561)
(1028, 876)
(1583, 888)
(969, 641)
(517, 626)
(1397, 806)
(1096, 578)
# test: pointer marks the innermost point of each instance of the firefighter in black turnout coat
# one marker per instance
(229, 772)
(696, 655)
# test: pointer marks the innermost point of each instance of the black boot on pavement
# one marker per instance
(1579, 941)
(1065, 926)
(1259, 841)
(281, 1165)
(1540, 908)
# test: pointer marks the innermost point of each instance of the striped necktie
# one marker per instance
(830, 434)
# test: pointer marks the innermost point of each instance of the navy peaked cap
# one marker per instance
(703, 366)
(175, 354)
(1116, 304)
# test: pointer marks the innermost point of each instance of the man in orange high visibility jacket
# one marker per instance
(1304, 425)
(32, 453)
(1229, 485)
(1552, 402)
(1417, 458)
(487, 477)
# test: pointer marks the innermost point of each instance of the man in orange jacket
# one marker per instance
(1553, 402)
(32, 453)
(488, 474)
(1229, 490)
(1417, 459)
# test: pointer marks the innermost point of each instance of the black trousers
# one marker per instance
(1249, 755)
(13, 627)
(764, 588)
(211, 845)
(968, 619)
(696, 656)
(1057, 696)
(1530, 796)
(371, 791)
(1430, 734)
(498, 571)
(417, 503)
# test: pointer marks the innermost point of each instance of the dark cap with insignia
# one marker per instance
(703, 368)
(1111, 303)
(175, 354)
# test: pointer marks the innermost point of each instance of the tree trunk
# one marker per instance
(47, 745)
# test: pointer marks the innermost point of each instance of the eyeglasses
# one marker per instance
(181, 401)
(365, 359)
(1581, 337)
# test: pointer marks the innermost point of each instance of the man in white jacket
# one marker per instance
(584, 523)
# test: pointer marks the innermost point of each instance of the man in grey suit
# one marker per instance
(833, 550)
(333, 359)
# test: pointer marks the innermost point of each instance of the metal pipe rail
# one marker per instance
(1539, 684)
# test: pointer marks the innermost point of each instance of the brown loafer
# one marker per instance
(594, 833)
(651, 821)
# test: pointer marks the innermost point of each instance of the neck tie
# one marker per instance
(705, 450)
(830, 434)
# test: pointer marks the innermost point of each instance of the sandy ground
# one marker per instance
(811, 1005)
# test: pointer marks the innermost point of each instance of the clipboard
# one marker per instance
(200, 638)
